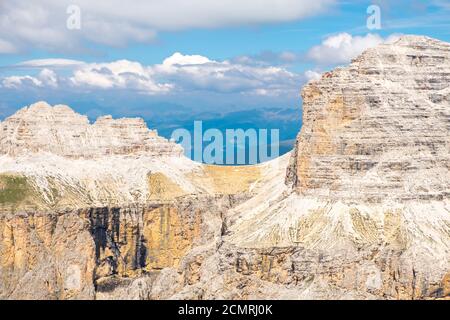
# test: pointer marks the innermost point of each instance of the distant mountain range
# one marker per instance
(286, 120)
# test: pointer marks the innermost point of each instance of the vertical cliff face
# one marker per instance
(379, 128)
(90, 253)
(46, 256)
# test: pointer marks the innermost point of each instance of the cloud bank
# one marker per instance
(333, 50)
(43, 24)
(177, 73)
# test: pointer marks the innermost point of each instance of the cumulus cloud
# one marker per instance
(200, 73)
(46, 77)
(122, 74)
(183, 60)
(20, 81)
(42, 24)
(342, 48)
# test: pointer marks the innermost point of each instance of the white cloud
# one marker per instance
(342, 48)
(182, 60)
(50, 63)
(201, 73)
(20, 81)
(312, 75)
(46, 77)
(121, 74)
(42, 24)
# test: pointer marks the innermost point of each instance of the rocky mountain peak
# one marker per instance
(379, 128)
(61, 131)
(416, 40)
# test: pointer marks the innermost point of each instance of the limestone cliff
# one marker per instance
(359, 210)
(375, 129)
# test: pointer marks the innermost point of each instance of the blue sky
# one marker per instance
(232, 55)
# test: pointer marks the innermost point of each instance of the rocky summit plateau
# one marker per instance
(360, 209)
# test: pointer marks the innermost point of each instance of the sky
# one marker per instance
(184, 60)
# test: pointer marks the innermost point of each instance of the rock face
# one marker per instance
(359, 210)
(375, 129)
(92, 252)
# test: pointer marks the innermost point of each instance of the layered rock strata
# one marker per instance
(375, 129)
